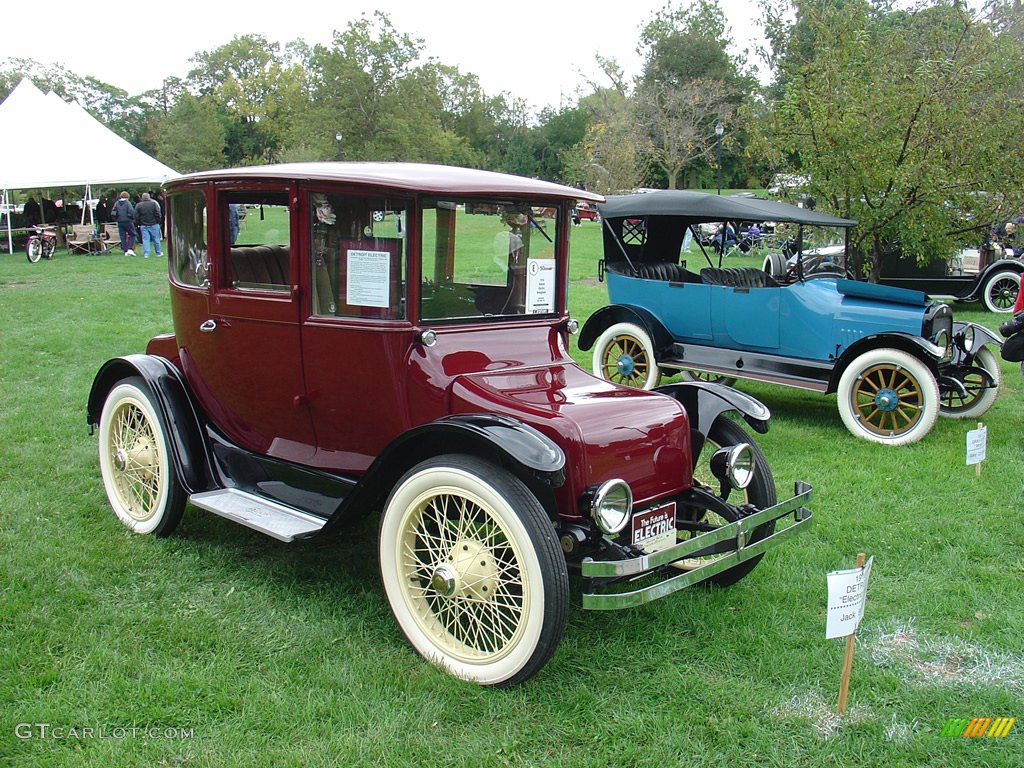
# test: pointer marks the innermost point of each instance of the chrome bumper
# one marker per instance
(740, 531)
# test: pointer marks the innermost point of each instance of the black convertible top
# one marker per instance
(705, 207)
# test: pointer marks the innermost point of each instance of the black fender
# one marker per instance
(953, 370)
(705, 401)
(1000, 265)
(921, 348)
(606, 317)
(182, 418)
(982, 335)
(524, 451)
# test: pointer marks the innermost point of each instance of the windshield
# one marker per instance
(488, 258)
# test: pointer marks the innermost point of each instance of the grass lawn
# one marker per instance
(224, 647)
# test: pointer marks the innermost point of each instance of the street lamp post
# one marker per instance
(338, 138)
(719, 130)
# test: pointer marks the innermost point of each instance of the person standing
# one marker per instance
(232, 223)
(102, 211)
(33, 213)
(124, 214)
(147, 216)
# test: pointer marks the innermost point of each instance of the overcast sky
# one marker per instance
(539, 51)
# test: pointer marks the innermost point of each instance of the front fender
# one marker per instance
(525, 452)
(705, 401)
(921, 348)
(606, 317)
(982, 335)
(1000, 265)
(170, 393)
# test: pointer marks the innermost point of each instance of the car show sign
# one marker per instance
(540, 286)
(847, 593)
(369, 278)
(977, 446)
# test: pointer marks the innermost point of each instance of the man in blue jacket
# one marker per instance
(124, 214)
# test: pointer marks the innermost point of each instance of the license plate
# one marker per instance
(655, 529)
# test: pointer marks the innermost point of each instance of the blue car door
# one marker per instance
(746, 318)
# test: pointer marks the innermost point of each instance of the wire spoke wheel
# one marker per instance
(473, 570)
(141, 484)
(137, 471)
(462, 573)
(34, 249)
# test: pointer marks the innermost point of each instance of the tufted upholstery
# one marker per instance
(663, 270)
(260, 265)
(738, 277)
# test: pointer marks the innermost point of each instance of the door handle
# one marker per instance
(209, 326)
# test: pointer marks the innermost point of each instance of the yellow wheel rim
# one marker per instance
(460, 575)
(887, 400)
(135, 461)
(626, 362)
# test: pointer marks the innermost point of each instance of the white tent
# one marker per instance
(47, 143)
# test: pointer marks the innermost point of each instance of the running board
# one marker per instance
(260, 514)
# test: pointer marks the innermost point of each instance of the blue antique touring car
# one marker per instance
(895, 358)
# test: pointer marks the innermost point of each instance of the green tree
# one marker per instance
(250, 81)
(608, 159)
(690, 83)
(895, 117)
(192, 136)
(359, 86)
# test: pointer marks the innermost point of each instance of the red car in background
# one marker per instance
(585, 211)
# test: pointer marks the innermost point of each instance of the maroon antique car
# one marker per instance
(329, 362)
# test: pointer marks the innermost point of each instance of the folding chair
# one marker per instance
(80, 240)
(111, 236)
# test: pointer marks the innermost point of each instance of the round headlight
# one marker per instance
(967, 338)
(734, 465)
(611, 506)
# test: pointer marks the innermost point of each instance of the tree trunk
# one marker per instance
(876, 260)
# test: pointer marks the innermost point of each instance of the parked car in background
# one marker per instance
(784, 184)
(895, 359)
(328, 365)
(974, 274)
(585, 211)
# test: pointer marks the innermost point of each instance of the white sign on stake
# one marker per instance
(847, 593)
(977, 445)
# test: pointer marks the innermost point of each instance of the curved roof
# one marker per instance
(400, 177)
(703, 206)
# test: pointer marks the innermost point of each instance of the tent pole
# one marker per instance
(10, 235)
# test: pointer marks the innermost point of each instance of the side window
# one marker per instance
(487, 258)
(358, 256)
(186, 244)
(259, 241)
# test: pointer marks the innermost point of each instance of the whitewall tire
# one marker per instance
(624, 354)
(138, 476)
(473, 570)
(888, 396)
